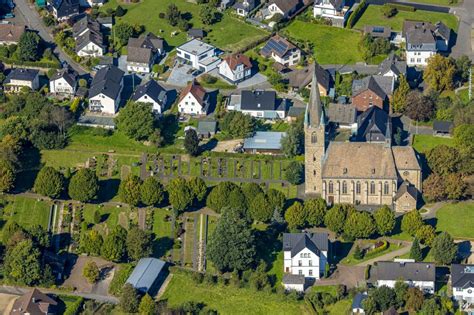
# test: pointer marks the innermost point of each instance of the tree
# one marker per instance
(434, 188)
(251, 190)
(147, 306)
(315, 210)
(49, 182)
(208, 14)
(129, 299)
(415, 299)
(336, 216)
(430, 306)
(419, 107)
(136, 120)
(295, 215)
(91, 272)
(91, 242)
(293, 142)
(399, 99)
(462, 136)
(358, 253)
(426, 234)
(359, 224)
(138, 243)
(389, 11)
(10, 228)
(237, 201)
(114, 247)
(260, 208)
(384, 220)
(22, 264)
(151, 191)
(276, 199)
(232, 245)
(415, 251)
(97, 216)
(237, 124)
(411, 222)
(179, 194)
(40, 236)
(370, 306)
(119, 12)
(400, 289)
(444, 249)
(28, 46)
(84, 185)
(439, 73)
(191, 142)
(7, 175)
(463, 65)
(455, 187)
(384, 297)
(294, 173)
(217, 198)
(123, 31)
(129, 190)
(443, 159)
(173, 14)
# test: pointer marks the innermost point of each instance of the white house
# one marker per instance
(63, 82)
(259, 104)
(88, 36)
(236, 68)
(282, 51)
(415, 274)
(106, 87)
(285, 8)
(305, 254)
(392, 66)
(335, 10)
(462, 283)
(199, 55)
(20, 78)
(244, 7)
(194, 100)
(143, 52)
(153, 93)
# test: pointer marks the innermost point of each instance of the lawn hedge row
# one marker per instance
(38, 64)
(356, 14)
(75, 307)
(401, 7)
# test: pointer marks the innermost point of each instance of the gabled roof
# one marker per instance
(107, 81)
(404, 188)
(285, 5)
(11, 33)
(342, 113)
(442, 126)
(83, 24)
(149, 41)
(139, 54)
(296, 242)
(69, 76)
(408, 271)
(443, 31)
(405, 158)
(22, 75)
(89, 36)
(374, 122)
(34, 303)
(65, 7)
(392, 63)
(145, 273)
(235, 60)
(301, 78)
(258, 100)
(380, 85)
(462, 276)
(418, 33)
(277, 45)
(153, 90)
(196, 90)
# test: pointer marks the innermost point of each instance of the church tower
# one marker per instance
(314, 140)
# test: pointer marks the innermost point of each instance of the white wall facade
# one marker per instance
(195, 60)
(261, 113)
(91, 50)
(237, 75)
(464, 294)
(61, 86)
(138, 67)
(274, 9)
(296, 287)
(104, 104)
(190, 106)
(425, 286)
(146, 99)
(291, 59)
(17, 85)
(419, 58)
(305, 263)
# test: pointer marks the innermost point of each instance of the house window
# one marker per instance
(287, 269)
(300, 263)
(385, 188)
(310, 262)
(300, 272)
(331, 187)
(301, 255)
(310, 272)
(372, 188)
(358, 188)
(344, 187)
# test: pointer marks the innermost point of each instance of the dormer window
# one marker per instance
(344, 170)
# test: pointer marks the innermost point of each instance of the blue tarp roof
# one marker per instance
(145, 273)
(264, 140)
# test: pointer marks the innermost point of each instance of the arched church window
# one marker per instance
(314, 137)
(358, 188)
(385, 188)
(372, 188)
(344, 187)
(331, 187)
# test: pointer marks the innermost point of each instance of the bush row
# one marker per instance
(356, 14)
(401, 7)
(38, 64)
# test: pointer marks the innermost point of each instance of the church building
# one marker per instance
(360, 173)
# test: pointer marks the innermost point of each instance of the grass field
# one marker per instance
(457, 219)
(332, 45)
(373, 16)
(424, 143)
(350, 260)
(228, 34)
(340, 307)
(28, 211)
(228, 299)
(110, 216)
(438, 2)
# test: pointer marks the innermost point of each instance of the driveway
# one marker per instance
(77, 281)
(256, 80)
(180, 75)
(465, 13)
(350, 276)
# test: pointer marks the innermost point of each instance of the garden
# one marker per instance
(365, 250)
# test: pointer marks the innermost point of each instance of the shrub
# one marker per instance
(119, 279)
(402, 7)
(75, 307)
(389, 11)
(356, 14)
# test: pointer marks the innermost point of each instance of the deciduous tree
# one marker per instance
(28, 46)
(443, 159)
(411, 222)
(138, 243)
(439, 73)
(91, 272)
(295, 215)
(129, 299)
(419, 107)
(384, 220)
(399, 99)
(293, 142)
(217, 198)
(7, 175)
(276, 199)
(415, 299)
(22, 264)
(179, 194)
(315, 210)
(444, 249)
(129, 190)
(426, 234)
(294, 173)
(136, 120)
(147, 306)
(336, 216)
(260, 208)
(359, 224)
(151, 191)
(114, 247)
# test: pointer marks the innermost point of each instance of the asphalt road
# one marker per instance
(34, 22)
(465, 13)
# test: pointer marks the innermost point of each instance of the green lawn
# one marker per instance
(228, 34)
(110, 216)
(350, 260)
(28, 211)
(438, 2)
(332, 45)
(457, 219)
(340, 307)
(424, 143)
(228, 299)
(331, 289)
(373, 16)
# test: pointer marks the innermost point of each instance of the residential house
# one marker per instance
(152, 92)
(236, 68)
(64, 9)
(334, 10)
(206, 129)
(416, 274)
(357, 303)
(89, 39)
(305, 254)
(286, 8)
(374, 125)
(282, 51)
(343, 114)
(34, 302)
(392, 66)
(107, 22)
(376, 31)
(194, 100)
(294, 113)
(20, 78)
(374, 90)
(105, 91)
(261, 104)
(148, 275)
(244, 7)
(462, 284)
(143, 52)
(424, 40)
(264, 142)
(199, 55)
(442, 128)
(294, 282)
(10, 34)
(300, 79)
(63, 82)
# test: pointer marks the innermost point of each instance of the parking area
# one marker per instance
(180, 75)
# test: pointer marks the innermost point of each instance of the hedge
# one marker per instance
(401, 7)
(356, 14)
(378, 249)
(367, 272)
(75, 307)
(38, 64)
(119, 279)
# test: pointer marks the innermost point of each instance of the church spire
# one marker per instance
(314, 112)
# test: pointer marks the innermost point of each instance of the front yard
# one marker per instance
(457, 219)
(424, 143)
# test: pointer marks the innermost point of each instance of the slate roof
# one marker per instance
(22, 75)
(301, 78)
(235, 60)
(342, 113)
(66, 7)
(150, 41)
(34, 303)
(264, 140)
(358, 160)
(373, 125)
(405, 187)
(295, 111)
(139, 55)
(408, 271)
(258, 100)
(394, 64)
(405, 158)
(10, 32)
(380, 85)
(85, 23)
(145, 273)
(442, 126)
(205, 127)
(443, 31)
(285, 5)
(67, 74)
(196, 33)
(277, 45)
(153, 90)
(88, 37)
(296, 242)
(462, 276)
(418, 33)
(196, 90)
(358, 299)
(377, 31)
(293, 279)
(107, 81)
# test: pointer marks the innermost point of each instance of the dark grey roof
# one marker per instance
(442, 126)
(196, 33)
(393, 63)
(342, 113)
(373, 125)
(83, 24)
(277, 45)
(295, 111)
(419, 33)
(293, 279)
(149, 41)
(286, 6)
(443, 31)
(380, 85)
(107, 81)
(357, 300)
(145, 273)
(105, 20)
(205, 127)
(462, 276)
(301, 78)
(139, 54)
(408, 271)
(405, 187)
(88, 37)
(153, 90)
(258, 100)
(296, 242)
(378, 31)
(67, 74)
(22, 75)
(66, 7)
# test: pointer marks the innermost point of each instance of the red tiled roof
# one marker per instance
(236, 59)
(196, 90)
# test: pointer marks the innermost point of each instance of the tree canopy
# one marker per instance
(444, 249)
(180, 195)
(130, 189)
(84, 185)
(49, 182)
(315, 210)
(439, 73)
(411, 222)
(295, 215)
(136, 120)
(151, 191)
(384, 220)
(191, 142)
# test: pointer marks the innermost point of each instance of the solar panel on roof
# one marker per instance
(469, 269)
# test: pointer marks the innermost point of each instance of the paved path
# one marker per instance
(463, 45)
(350, 276)
(388, 256)
(34, 22)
